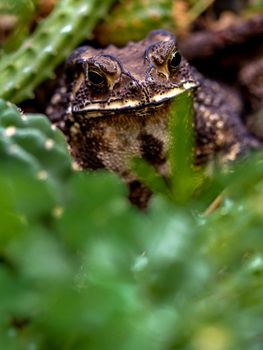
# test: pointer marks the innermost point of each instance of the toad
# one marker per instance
(113, 104)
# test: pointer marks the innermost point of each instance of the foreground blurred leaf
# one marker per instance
(81, 268)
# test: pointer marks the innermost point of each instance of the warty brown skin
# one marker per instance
(113, 104)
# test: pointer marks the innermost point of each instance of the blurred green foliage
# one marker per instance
(256, 5)
(17, 7)
(133, 19)
(81, 268)
(23, 12)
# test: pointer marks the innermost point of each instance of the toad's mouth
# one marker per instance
(99, 108)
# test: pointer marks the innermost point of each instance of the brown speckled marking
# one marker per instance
(139, 194)
(151, 149)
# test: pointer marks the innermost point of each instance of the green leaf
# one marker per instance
(149, 176)
(181, 150)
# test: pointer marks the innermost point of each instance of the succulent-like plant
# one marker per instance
(69, 23)
(32, 142)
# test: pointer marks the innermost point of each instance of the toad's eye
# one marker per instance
(95, 78)
(175, 60)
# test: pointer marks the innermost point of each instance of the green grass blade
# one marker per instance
(181, 150)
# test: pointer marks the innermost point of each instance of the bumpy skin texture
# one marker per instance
(113, 104)
(251, 79)
(218, 125)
